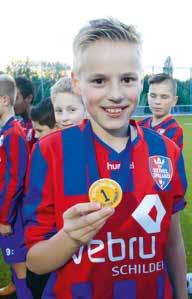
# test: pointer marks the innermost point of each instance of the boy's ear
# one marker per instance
(175, 101)
(5, 100)
(75, 83)
(29, 99)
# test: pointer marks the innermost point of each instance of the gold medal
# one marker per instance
(106, 191)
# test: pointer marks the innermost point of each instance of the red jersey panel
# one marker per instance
(126, 257)
(29, 131)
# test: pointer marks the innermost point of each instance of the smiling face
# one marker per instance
(161, 99)
(110, 83)
(69, 110)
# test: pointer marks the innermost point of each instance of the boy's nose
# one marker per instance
(115, 93)
(157, 100)
(65, 116)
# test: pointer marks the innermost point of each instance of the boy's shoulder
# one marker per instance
(14, 128)
(56, 137)
(144, 121)
(175, 122)
(157, 142)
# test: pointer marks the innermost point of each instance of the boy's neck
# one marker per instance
(25, 116)
(157, 120)
(6, 116)
(116, 139)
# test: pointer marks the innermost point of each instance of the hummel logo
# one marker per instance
(114, 165)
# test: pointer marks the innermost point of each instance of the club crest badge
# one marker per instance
(161, 170)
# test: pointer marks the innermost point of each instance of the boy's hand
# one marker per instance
(5, 229)
(84, 220)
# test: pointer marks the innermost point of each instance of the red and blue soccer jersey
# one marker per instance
(168, 127)
(126, 257)
(29, 132)
(13, 164)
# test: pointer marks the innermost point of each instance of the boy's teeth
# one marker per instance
(113, 110)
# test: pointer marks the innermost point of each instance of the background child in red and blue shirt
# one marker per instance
(13, 158)
(43, 118)
(22, 106)
(162, 98)
(68, 106)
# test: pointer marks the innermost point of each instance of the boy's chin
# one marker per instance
(118, 128)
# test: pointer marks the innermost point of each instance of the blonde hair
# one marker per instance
(62, 85)
(8, 87)
(109, 29)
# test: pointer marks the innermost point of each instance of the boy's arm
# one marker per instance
(175, 259)
(12, 184)
(82, 222)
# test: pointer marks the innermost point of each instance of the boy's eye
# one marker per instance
(58, 110)
(164, 96)
(152, 95)
(98, 81)
(72, 109)
(129, 79)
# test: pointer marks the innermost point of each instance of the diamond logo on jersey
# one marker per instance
(161, 170)
(143, 215)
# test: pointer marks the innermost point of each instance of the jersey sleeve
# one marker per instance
(180, 185)
(38, 205)
(12, 181)
(176, 135)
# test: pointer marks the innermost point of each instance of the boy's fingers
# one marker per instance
(91, 227)
(84, 235)
(81, 209)
(87, 237)
(90, 219)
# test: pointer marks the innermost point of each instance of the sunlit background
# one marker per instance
(44, 30)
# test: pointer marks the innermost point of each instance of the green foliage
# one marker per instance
(43, 74)
(184, 90)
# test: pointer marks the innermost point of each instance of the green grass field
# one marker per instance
(186, 215)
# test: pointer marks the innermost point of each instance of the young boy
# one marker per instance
(69, 108)
(161, 98)
(22, 106)
(13, 159)
(43, 118)
(95, 251)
